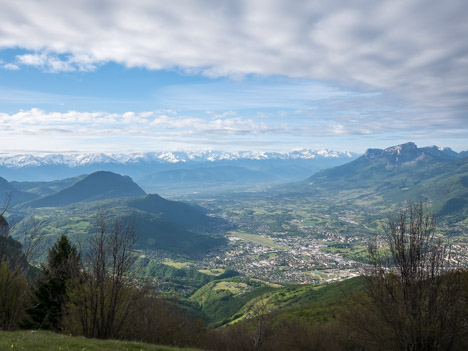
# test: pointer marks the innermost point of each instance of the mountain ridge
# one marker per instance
(396, 174)
(141, 165)
(16, 195)
(78, 159)
(100, 185)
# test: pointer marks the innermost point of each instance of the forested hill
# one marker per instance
(17, 196)
(403, 172)
(100, 185)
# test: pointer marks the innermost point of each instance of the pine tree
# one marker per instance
(63, 263)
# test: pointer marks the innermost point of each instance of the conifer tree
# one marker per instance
(63, 263)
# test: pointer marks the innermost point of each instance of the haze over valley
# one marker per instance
(313, 230)
(234, 175)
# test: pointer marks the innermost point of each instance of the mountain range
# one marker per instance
(68, 207)
(166, 172)
(381, 178)
(396, 174)
(77, 160)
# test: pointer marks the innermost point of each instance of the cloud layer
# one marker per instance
(413, 49)
(169, 123)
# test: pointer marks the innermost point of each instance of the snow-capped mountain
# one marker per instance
(147, 168)
(79, 160)
(169, 171)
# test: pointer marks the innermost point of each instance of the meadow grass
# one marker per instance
(46, 341)
(260, 240)
(233, 287)
(178, 265)
(216, 272)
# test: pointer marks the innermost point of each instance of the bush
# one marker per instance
(157, 320)
(14, 296)
(414, 297)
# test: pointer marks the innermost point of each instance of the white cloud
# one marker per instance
(413, 48)
(36, 121)
(53, 63)
(10, 67)
(281, 125)
(154, 130)
(32, 60)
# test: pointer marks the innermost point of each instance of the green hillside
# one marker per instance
(315, 304)
(157, 229)
(161, 224)
(222, 300)
(184, 214)
(389, 177)
(231, 299)
(156, 233)
(181, 279)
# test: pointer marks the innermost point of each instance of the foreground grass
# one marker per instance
(44, 340)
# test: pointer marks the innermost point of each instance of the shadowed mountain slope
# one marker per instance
(46, 188)
(100, 185)
(17, 196)
(184, 214)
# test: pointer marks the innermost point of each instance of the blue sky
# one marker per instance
(119, 76)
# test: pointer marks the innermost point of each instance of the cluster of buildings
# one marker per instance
(302, 260)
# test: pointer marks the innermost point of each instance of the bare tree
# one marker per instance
(262, 318)
(158, 320)
(14, 264)
(4, 227)
(413, 298)
(231, 338)
(103, 297)
(14, 292)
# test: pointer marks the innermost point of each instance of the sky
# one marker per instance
(270, 75)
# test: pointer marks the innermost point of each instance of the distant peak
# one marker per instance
(108, 175)
(409, 154)
(103, 174)
(401, 148)
(438, 148)
(370, 153)
(392, 150)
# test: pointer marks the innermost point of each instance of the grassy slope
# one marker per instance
(44, 340)
(221, 300)
(228, 300)
(183, 281)
(316, 304)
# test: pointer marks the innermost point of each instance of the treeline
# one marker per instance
(176, 279)
(93, 293)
